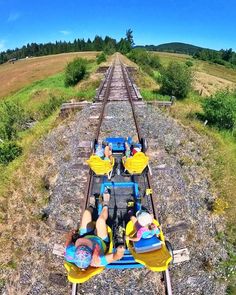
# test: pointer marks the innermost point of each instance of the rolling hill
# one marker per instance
(174, 47)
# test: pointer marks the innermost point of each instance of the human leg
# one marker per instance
(101, 226)
(135, 222)
(107, 152)
(86, 224)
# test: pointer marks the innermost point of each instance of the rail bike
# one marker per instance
(127, 180)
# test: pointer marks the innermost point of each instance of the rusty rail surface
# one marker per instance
(107, 92)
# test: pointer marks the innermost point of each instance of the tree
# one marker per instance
(176, 80)
(129, 37)
(233, 59)
(98, 43)
(89, 45)
(124, 46)
(226, 54)
(110, 47)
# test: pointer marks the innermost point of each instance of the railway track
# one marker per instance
(118, 88)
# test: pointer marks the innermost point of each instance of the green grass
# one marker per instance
(199, 65)
(221, 163)
(38, 93)
(26, 141)
(151, 95)
(166, 58)
(32, 98)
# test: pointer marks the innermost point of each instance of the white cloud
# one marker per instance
(64, 32)
(2, 45)
(13, 16)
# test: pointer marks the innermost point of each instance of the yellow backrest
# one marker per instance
(137, 163)
(78, 276)
(99, 166)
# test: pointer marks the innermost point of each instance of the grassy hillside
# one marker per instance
(201, 66)
(24, 72)
(209, 77)
(42, 99)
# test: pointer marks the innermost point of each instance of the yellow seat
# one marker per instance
(101, 167)
(136, 164)
(157, 260)
(79, 276)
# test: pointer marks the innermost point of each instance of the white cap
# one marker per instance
(144, 218)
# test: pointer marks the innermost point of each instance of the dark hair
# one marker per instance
(150, 226)
(75, 237)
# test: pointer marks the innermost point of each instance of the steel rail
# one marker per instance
(104, 102)
(90, 176)
(125, 75)
(166, 274)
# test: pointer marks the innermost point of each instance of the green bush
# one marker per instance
(12, 119)
(176, 80)
(75, 71)
(157, 76)
(48, 108)
(189, 63)
(154, 61)
(9, 151)
(220, 110)
(101, 58)
(139, 56)
(144, 58)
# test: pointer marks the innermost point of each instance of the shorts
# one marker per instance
(91, 231)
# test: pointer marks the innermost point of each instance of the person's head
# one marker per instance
(144, 218)
(135, 139)
(81, 256)
(104, 143)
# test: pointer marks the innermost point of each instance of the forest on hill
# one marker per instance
(226, 57)
(108, 45)
(174, 47)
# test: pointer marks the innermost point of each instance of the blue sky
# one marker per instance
(207, 23)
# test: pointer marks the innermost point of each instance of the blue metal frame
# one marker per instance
(127, 260)
(134, 185)
(118, 143)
